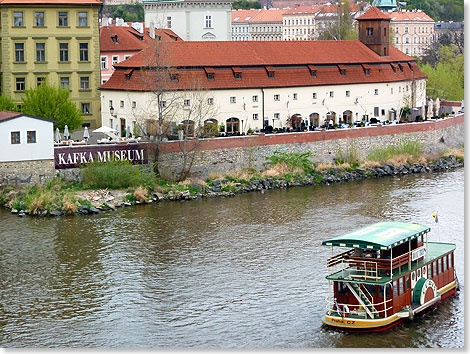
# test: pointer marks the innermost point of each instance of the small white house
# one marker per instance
(25, 138)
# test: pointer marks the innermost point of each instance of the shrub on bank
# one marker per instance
(409, 150)
(117, 175)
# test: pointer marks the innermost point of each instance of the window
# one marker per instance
(277, 115)
(406, 29)
(391, 90)
(86, 108)
(134, 104)
(348, 93)
(63, 52)
(63, 19)
(83, 19)
(383, 112)
(121, 104)
(255, 98)
(65, 82)
(396, 40)
(429, 271)
(439, 263)
(18, 19)
(168, 22)
(210, 100)
(40, 80)
(104, 63)
(39, 19)
(19, 52)
(31, 137)
(255, 116)
(83, 51)
(20, 84)
(376, 111)
(332, 94)
(407, 40)
(115, 59)
(210, 76)
(445, 263)
(369, 31)
(187, 103)
(15, 138)
(111, 123)
(162, 104)
(126, 57)
(84, 83)
(208, 21)
(41, 52)
(376, 92)
(233, 99)
(294, 96)
(395, 288)
(400, 282)
(434, 268)
(314, 95)
(110, 103)
(276, 97)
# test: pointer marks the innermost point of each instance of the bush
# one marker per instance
(411, 148)
(350, 156)
(117, 175)
(293, 160)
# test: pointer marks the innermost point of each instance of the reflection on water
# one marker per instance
(247, 271)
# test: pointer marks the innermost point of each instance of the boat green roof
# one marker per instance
(379, 236)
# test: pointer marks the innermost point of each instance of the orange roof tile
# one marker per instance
(299, 10)
(410, 16)
(50, 2)
(239, 16)
(373, 14)
(246, 53)
(269, 15)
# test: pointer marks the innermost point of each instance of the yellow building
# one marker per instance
(56, 41)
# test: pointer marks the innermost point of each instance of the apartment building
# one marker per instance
(55, 41)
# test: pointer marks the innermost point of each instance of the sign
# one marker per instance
(418, 253)
(75, 156)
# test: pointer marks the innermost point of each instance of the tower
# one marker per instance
(385, 5)
(374, 28)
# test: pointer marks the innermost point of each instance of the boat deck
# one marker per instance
(434, 250)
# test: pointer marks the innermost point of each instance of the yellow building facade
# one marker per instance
(56, 41)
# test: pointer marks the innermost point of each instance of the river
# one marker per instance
(242, 272)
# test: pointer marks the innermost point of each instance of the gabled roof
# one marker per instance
(51, 2)
(373, 14)
(410, 16)
(304, 10)
(243, 16)
(255, 53)
(382, 235)
(7, 115)
(271, 15)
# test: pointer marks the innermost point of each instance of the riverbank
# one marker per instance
(59, 197)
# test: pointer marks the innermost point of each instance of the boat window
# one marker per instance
(420, 239)
(434, 269)
(429, 271)
(389, 291)
(381, 289)
(395, 288)
(371, 289)
(408, 282)
(419, 273)
(341, 288)
(451, 260)
(445, 263)
(440, 265)
(400, 281)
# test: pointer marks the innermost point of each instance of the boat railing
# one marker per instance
(344, 310)
(359, 270)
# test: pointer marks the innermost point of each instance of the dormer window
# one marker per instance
(128, 74)
(313, 70)
(366, 69)
(270, 70)
(401, 67)
(210, 74)
(114, 38)
(174, 76)
(394, 67)
(237, 73)
(342, 70)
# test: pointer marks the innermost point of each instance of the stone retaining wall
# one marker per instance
(26, 172)
(226, 154)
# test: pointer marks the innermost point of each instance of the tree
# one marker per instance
(53, 103)
(439, 10)
(341, 26)
(7, 104)
(245, 5)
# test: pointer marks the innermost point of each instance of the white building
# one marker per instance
(192, 20)
(25, 138)
(279, 83)
(299, 23)
(241, 24)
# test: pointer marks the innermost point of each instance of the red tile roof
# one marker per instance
(410, 16)
(373, 14)
(51, 2)
(257, 77)
(239, 16)
(254, 53)
(299, 10)
(4, 115)
(269, 15)
(129, 39)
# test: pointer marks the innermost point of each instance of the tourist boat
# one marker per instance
(390, 273)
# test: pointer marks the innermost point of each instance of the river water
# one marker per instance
(242, 272)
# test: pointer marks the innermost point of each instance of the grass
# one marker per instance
(406, 151)
(117, 175)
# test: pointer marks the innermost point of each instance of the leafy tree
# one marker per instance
(54, 103)
(342, 27)
(439, 10)
(245, 5)
(7, 104)
(128, 12)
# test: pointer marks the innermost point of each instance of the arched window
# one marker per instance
(331, 117)
(314, 119)
(188, 127)
(210, 127)
(295, 121)
(347, 117)
(233, 125)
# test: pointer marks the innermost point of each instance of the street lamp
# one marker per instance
(111, 110)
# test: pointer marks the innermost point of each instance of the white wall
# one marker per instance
(362, 101)
(41, 150)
